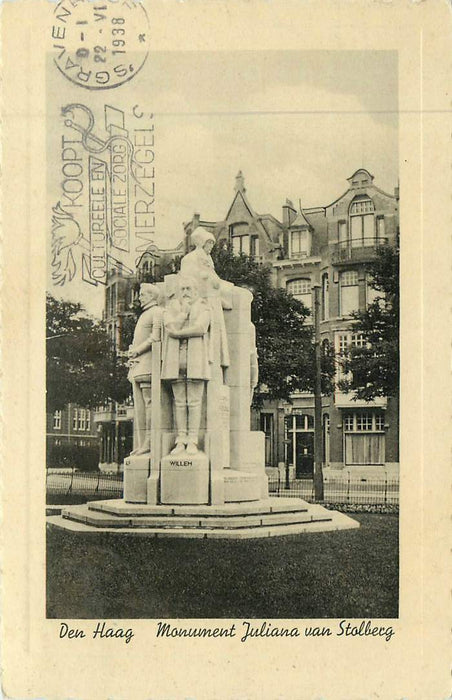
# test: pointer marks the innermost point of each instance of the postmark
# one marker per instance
(100, 45)
(104, 216)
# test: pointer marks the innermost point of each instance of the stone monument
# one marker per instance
(202, 358)
(196, 470)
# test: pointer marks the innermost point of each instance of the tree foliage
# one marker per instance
(284, 341)
(374, 368)
(82, 366)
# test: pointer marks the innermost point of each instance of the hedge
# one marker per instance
(74, 456)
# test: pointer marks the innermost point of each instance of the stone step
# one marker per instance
(336, 521)
(271, 505)
(96, 518)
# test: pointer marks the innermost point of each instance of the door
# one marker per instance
(304, 455)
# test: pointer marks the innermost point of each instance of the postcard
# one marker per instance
(225, 285)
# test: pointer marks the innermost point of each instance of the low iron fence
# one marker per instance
(71, 482)
(340, 490)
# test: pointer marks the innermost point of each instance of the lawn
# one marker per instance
(346, 574)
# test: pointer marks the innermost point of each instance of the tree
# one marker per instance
(82, 366)
(284, 341)
(374, 368)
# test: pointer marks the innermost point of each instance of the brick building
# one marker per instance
(71, 426)
(327, 246)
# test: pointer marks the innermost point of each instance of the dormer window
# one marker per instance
(300, 243)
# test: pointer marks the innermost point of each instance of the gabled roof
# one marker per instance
(361, 171)
(244, 198)
(300, 220)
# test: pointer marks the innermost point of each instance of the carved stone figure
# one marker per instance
(199, 265)
(186, 360)
(147, 330)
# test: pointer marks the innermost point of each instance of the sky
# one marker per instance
(297, 123)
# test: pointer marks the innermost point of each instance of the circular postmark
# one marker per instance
(100, 44)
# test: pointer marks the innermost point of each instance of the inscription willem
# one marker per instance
(181, 463)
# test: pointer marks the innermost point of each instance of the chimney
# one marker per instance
(289, 213)
(240, 182)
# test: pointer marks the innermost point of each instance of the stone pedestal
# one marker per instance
(184, 479)
(136, 472)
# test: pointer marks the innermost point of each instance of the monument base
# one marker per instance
(266, 518)
(241, 486)
(184, 479)
(136, 472)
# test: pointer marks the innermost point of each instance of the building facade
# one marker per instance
(328, 247)
(72, 437)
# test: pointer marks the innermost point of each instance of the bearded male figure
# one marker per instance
(187, 360)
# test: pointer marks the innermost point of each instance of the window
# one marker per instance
(362, 224)
(57, 420)
(267, 429)
(325, 298)
(299, 244)
(357, 340)
(254, 246)
(344, 342)
(240, 239)
(371, 293)
(349, 292)
(84, 419)
(343, 232)
(303, 421)
(380, 229)
(301, 289)
(133, 296)
(364, 438)
(81, 419)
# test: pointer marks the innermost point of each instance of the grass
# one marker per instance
(346, 574)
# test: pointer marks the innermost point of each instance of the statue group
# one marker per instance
(193, 369)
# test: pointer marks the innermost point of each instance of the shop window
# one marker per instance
(364, 438)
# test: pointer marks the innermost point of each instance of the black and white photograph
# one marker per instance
(223, 340)
(228, 362)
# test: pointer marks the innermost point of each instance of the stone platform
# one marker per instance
(272, 517)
